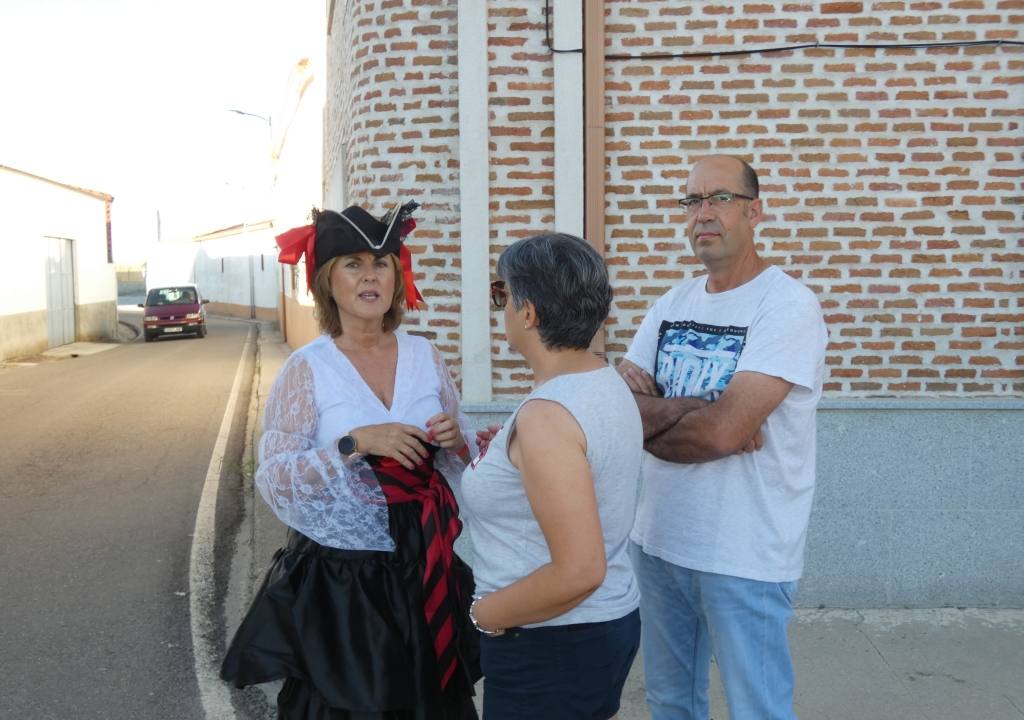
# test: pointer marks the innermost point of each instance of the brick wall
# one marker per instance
(391, 119)
(893, 178)
(522, 153)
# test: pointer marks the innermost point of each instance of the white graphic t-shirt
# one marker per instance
(742, 515)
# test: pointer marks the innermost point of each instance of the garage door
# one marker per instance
(60, 291)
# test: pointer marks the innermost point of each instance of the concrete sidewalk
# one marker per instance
(942, 664)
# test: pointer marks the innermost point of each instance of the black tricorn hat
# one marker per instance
(351, 231)
(354, 230)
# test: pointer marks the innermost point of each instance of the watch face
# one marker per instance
(347, 445)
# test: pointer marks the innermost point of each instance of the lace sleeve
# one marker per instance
(448, 462)
(332, 499)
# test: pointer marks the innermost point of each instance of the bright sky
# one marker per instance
(132, 98)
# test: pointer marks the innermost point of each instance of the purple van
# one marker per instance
(174, 310)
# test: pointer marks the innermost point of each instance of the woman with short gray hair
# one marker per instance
(567, 283)
(550, 503)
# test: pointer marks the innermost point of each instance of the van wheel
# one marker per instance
(149, 338)
(202, 332)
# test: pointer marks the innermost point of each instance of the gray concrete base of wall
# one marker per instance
(918, 504)
(23, 334)
(97, 321)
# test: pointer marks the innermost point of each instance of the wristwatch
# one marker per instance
(472, 619)
(347, 445)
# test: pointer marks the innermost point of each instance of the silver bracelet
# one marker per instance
(472, 619)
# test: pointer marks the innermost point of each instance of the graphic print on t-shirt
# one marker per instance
(697, 360)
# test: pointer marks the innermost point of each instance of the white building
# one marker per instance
(57, 278)
(236, 269)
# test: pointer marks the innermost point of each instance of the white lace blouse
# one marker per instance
(318, 397)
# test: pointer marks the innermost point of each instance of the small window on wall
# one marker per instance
(222, 264)
(262, 267)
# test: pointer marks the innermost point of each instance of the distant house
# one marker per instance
(57, 279)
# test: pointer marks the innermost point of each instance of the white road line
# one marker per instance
(213, 693)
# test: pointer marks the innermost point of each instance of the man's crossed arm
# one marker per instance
(690, 430)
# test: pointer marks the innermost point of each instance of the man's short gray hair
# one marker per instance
(567, 282)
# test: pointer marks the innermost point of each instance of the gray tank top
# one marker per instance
(507, 541)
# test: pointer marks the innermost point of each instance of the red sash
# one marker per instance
(440, 525)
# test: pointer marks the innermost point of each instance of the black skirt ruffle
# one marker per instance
(346, 630)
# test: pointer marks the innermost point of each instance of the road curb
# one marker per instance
(241, 574)
(127, 332)
(256, 702)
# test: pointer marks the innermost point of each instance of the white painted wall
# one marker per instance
(568, 85)
(298, 168)
(299, 183)
(221, 269)
(34, 209)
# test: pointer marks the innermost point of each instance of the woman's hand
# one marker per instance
(398, 441)
(484, 437)
(444, 431)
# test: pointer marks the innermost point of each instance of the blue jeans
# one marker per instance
(689, 615)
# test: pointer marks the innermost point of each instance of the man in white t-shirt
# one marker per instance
(727, 371)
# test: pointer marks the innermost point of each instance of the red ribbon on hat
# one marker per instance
(412, 295)
(294, 244)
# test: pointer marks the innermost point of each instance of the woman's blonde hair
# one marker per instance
(326, 310)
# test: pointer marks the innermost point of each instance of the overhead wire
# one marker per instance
(781, 48)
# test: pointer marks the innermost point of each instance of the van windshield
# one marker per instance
(171, 296)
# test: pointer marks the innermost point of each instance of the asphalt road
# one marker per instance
(102, 463)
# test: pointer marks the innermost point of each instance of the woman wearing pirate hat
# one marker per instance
(364, 613)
